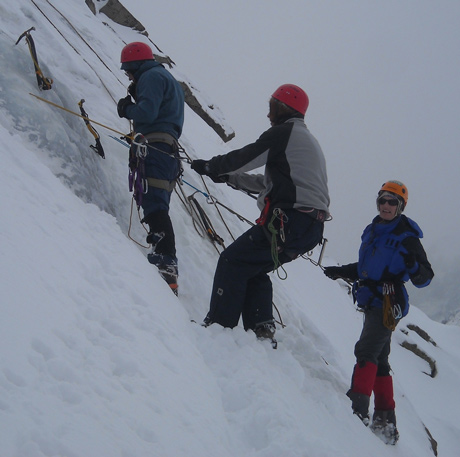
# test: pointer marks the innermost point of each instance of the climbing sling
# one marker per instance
(98, 146)
(278, 214)
(137, 181)
(43, 82)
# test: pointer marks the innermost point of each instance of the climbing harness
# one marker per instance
(392, 312)
(43, 82)
(98, 146)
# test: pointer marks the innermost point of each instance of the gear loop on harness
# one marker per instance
(141, 145)
(138, 183)
(392, 311)
(279, 214)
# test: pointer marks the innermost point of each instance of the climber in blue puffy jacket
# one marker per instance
(390, 254)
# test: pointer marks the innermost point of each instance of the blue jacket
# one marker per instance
(159, 101)
(380, 261)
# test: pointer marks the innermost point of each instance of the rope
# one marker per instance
(76, 114)
(76, 50)
(84, 41)
(130, 225)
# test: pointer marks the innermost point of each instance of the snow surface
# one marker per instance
(98, 357)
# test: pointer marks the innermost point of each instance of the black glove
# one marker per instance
(201, 167)
(219, 179)
(409, 259)
(123, 103)
(333, 272)
(132, 90)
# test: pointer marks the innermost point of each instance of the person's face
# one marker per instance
(272, 112)
(129, 75)
(388, 207)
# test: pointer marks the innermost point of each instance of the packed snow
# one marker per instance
(98, 358)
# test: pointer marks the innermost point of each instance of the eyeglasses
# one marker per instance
(391, 201)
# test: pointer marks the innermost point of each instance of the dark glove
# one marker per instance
(201, 167)
(132, 90)
(409, 260)
(123, 104)
(219, 179)
(333, 272)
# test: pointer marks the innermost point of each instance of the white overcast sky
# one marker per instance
(383, 80)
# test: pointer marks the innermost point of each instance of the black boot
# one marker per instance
(360, 405)
(167, 267)
(266, 331)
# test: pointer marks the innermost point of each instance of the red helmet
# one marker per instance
(136, 51)
(292, 96)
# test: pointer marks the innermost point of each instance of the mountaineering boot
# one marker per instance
(360, 405)
(266, 331)
(384, 426)
(207, 321)
(362, 383)
(167, 267)
(154, 238)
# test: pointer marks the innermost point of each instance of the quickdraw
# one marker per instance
(43, 82)
(392, 312)
(98, 146)
(137, 182)
(278, 213)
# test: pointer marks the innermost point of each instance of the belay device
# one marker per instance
(98, 146)
(44, 83)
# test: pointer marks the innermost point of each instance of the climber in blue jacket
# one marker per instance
(155, 104)
(390, 254)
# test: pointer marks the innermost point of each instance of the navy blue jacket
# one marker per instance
(380, 261)
(159, 101)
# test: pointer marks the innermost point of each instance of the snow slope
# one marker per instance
(98, 357)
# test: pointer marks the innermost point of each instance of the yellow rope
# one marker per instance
(79, 115)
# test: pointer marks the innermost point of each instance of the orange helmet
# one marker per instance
(292, 96)
(396, 187)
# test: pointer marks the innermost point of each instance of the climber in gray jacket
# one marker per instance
(294, 202)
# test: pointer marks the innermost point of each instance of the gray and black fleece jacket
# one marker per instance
(295, 168)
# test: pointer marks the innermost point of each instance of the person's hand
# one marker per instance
(219, 179)
(123, 104)
(333, 272)
(409, 259)
(201, 167)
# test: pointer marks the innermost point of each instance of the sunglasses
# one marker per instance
(391, 201)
